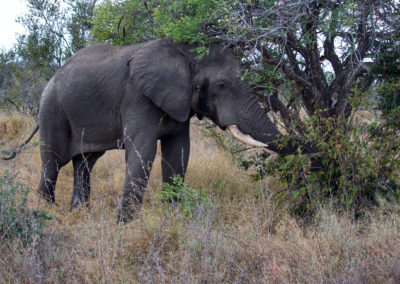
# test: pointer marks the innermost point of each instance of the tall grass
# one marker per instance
(245, 237)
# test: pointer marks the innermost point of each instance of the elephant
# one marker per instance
(129, 97)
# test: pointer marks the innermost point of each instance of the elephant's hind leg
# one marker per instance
(83, 165)
(48, 179)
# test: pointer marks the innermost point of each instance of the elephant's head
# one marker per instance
(229, 102)
(220, 94)
(179, 84)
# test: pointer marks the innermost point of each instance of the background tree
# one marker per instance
(54, 31)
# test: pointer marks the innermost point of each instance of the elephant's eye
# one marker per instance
(221, 86)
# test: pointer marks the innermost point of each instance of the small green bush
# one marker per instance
(389, 95)
(188, 199)
(358, 163)
(16, 220)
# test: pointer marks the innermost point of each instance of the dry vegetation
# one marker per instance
(245, 237)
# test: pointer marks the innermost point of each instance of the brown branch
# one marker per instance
(294, 43)
(119, 25)
(362, 24)
(363, 39)
(313, 62)
(329, 53)
(295, 63)
(366, 82)
(287, 71)
(273, 103)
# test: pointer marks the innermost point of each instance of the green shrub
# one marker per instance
(389, 95)
(358, 163)
(16, 220)
(359, 160)
(188, 199)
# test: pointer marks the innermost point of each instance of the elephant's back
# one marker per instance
(97, 63)
(99, 54)
(88, 92)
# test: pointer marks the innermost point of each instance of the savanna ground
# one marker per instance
(240, 235)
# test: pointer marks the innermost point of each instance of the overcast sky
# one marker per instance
(9, 11)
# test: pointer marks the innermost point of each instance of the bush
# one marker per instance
(359, 160)
(356, 167)
(16, 220)
(389, 95)
(188, 199)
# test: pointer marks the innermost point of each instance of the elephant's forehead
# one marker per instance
(219, 72)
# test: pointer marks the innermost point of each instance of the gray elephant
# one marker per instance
(108, 97)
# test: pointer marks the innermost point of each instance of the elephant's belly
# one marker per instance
(79, 148)
(95, 137)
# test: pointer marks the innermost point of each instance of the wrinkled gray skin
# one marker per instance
(108, 97)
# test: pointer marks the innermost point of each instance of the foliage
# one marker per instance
(135, 21)
(54, 31)
(388, 74)
(389, 95)
(16, 220)
(184, 20)
(79, 24)
(125, 22)
(189, 199)
(358, 159)
(321, 48)
(20, 84)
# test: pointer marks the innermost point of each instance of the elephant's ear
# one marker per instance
(162, 73)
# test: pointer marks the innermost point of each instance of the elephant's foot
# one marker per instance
(78, 203)
(175, 199)
(125, 216)
(46, 193)
(128, 213)
(47, 186)
(47, 196)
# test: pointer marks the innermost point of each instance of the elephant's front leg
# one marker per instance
(175, 155)
(139, 156)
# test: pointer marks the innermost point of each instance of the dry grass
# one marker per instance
(244, 238)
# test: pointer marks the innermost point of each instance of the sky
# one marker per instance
(9, 11)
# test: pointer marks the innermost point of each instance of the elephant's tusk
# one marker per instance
(239, 135)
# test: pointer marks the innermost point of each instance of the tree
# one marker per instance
(54, 31)
(321, 47)
(79, 23)
(124, 22)
(20, 85)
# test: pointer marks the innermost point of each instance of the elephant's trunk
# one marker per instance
(256, 129)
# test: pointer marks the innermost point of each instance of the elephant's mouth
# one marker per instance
(239, 135)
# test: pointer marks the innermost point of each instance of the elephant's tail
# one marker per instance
(15, 152)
